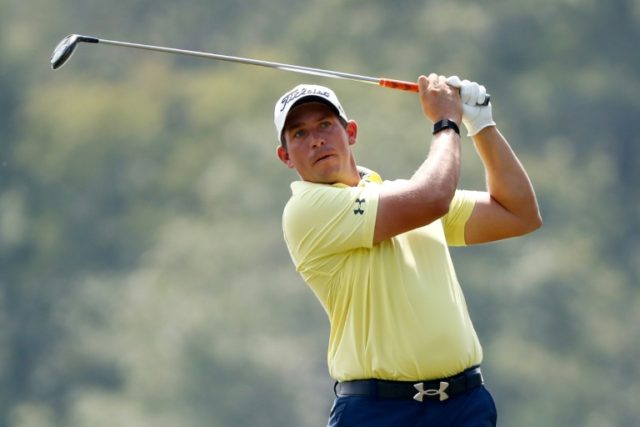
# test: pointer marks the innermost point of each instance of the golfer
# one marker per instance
(402, 348)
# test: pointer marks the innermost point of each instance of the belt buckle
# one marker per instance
(431, 392)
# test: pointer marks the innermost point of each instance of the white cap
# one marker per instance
(301, 94)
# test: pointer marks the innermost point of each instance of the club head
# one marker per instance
(65, 48)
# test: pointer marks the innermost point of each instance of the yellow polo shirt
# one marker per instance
(396, 309)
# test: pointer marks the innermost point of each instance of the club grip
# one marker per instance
(399, 84)
(413, 87)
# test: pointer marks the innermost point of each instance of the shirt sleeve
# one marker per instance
(322, 220)
(459, 213)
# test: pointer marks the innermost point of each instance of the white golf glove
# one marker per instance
(475, 117)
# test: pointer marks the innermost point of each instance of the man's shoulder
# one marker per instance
(312, 201)
(302, 191)
(322, 219)
(308, 196)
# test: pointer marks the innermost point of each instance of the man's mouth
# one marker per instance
(324, 157)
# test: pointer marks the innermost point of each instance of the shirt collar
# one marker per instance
(366, 176)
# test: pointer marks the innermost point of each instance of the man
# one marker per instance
(402, 347)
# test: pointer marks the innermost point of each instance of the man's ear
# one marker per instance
(352, 131)
(283, 155)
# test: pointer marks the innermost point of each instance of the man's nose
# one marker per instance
(317, 138)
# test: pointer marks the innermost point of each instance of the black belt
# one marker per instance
(442, 388)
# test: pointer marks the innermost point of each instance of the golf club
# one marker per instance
(66, 47)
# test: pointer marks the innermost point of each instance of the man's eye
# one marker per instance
(299, 133)
(325, 125)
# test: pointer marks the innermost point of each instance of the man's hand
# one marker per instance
(439, 101)
(474, 117)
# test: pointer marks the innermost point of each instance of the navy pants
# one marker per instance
(475, 408)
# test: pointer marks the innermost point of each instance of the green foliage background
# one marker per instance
(143, 276)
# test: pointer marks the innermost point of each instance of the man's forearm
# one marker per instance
(407, 204)
(507, 180)
(440, 172)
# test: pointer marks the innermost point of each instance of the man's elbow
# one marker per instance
(532, 224)
(433, 203)
(440, 202)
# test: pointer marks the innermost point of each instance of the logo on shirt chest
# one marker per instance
(358, 210)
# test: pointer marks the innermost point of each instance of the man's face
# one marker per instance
(318, 145)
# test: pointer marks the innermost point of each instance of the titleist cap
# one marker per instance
(302, 94)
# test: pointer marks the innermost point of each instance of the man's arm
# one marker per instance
(407, 204)
(509, 207)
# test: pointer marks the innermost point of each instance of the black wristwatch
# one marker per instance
(445, 124)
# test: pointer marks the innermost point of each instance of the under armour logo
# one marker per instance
(359, 209)
(431, 392)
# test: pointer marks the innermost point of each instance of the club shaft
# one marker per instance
(65, 49)
(268, 64)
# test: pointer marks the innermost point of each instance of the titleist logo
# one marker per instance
(295, 94)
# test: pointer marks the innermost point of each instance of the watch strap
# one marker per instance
(443, 124)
